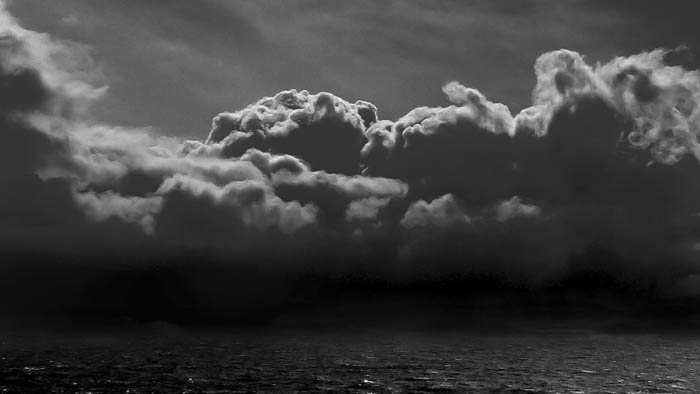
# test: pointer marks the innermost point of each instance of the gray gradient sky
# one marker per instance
(174, 64)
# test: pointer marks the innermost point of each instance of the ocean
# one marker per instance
(170, 360)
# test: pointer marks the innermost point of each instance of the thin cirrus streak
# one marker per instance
(603, 159)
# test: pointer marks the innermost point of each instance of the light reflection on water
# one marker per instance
(563, 362)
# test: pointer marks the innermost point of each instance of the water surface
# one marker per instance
(343, 362)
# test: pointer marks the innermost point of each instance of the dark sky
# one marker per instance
(174, 64)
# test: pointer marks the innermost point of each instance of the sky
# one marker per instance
(173, 64)
(234, 162)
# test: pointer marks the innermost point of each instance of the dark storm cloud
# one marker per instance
(33, 90)
(23, 90)
(295, 123)
(603, 153)
(604, 163)
(464, 149)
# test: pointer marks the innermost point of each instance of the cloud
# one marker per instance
(34, 86)
(466, 150)
(197, 211)
(294, 123)
(514, 209)
(365, 209)
(441, 212)
(659, 100)
(606, 159)
(103, 206)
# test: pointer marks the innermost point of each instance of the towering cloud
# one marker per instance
(295, 123)
(605, 159)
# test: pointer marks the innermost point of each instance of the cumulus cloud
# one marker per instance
(295, 123)
(466, 150)
(603, 160)
(659, 100)
(514, 209)
(441, 212)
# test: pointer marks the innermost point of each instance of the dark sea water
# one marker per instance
(343, 362)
